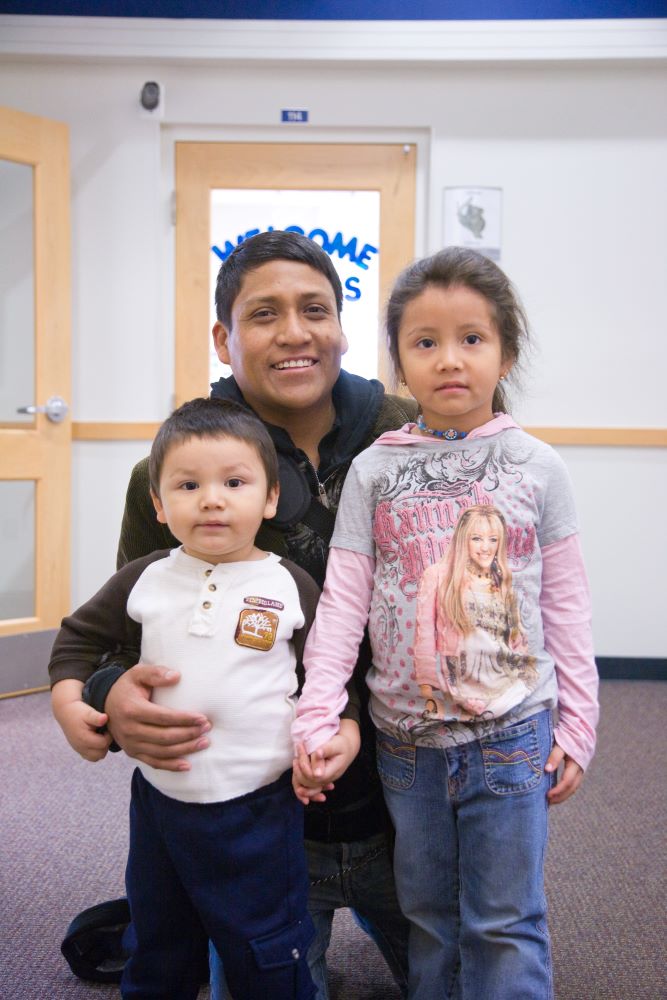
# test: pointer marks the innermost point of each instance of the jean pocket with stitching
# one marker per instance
(514, 759)
(396, 762)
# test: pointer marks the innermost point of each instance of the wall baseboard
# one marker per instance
(632, 668)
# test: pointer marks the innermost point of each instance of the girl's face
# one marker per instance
(483, 542)
(450, 354)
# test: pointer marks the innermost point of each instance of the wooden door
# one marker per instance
(34, 372)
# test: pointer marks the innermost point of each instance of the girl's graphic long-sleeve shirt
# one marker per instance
(521, 640)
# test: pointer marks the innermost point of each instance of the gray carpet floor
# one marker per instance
(64, 839)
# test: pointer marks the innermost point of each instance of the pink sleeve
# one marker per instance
(566, 614)
(332, 646)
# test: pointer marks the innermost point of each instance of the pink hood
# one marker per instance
(499, 422)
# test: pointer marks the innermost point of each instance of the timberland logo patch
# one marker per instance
(257, 629)
(264, 602)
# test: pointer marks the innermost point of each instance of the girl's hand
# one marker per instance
(307, 787)
(569, 780)
(332, 760)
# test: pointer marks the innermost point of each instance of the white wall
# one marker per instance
(580, 151)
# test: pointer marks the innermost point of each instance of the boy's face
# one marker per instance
(285, 342)
(213, 496)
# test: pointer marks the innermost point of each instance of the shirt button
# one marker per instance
(212, 586)
(206, 604)
(208, 572)
(295, 953)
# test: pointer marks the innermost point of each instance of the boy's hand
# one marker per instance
(154, 734)
(78, 721)
(569, 780)
(314, 775)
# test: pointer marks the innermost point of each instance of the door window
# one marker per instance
(346, 224)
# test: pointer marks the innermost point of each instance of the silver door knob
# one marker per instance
(56, 409)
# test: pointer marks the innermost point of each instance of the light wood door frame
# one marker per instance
(40, 451)
(204, 166)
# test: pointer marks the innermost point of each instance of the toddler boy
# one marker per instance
(216, 849)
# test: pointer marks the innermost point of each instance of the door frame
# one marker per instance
(41, 450)
(387, 167)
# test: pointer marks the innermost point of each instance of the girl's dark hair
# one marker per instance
(263, 249)
(458, 266)
(212, 418)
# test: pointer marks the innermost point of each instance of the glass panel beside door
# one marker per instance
(17, 293)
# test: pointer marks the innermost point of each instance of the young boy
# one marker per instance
(216, 848)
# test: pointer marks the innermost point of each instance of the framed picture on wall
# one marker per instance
(471, 218)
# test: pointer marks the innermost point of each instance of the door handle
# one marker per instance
(56, 409)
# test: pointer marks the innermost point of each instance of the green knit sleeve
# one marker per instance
(394, 412)
(141, 533)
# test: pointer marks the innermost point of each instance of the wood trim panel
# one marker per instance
(17, 694)
(14, 626)
(102, 430)
(617, 437)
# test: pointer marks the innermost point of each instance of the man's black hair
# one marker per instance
(263, 249)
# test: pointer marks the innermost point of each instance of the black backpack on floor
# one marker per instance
(93, 944)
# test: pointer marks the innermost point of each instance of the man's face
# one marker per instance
(285, 343)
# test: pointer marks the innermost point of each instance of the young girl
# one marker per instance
(498, 634)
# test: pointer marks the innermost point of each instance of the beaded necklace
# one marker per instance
(449, 435)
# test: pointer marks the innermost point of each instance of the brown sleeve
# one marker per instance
(100, 626)
(140, 532)
(309, 595)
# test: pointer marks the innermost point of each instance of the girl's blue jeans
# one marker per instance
(471, 837)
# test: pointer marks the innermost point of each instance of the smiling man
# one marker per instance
(282, 337)
(278, 303)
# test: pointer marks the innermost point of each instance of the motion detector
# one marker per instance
(150, 95)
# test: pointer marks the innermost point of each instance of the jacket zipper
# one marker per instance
(321, 491)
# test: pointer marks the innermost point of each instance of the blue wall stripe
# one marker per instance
(346, 10)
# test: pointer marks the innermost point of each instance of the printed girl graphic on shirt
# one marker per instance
(471, 654)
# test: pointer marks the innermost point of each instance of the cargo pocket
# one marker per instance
(280, 967)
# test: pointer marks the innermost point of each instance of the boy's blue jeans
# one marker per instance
(357, 875)
(471, 836)
(233, 872)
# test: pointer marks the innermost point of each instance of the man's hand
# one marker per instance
(79, 721)
(153, 734)
(569, 780)
(313, 776)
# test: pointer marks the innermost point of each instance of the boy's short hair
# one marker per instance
(263, 249)
(212, 418)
